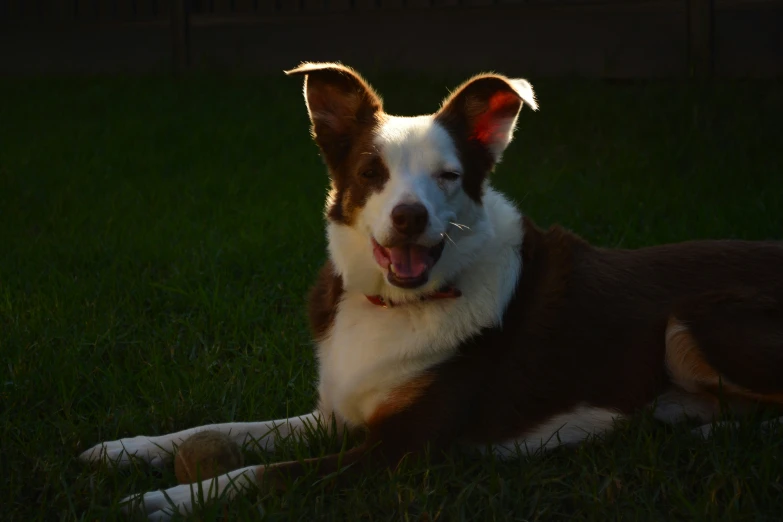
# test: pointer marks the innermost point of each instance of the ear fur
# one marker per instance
(340, 103)
(484, 110)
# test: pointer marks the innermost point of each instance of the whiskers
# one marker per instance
(460, 226)
(444, 234)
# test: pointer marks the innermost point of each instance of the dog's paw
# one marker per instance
(121, 452)
(707, 430)
(163, 504)
(704, 431)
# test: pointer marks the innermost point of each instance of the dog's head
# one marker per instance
(405, 212)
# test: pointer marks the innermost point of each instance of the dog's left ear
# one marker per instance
(341, 105)
(482, 112)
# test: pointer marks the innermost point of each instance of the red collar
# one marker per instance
(443, 293)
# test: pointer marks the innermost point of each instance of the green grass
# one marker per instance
(157, 239)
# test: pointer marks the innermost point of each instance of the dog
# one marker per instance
(443, 316)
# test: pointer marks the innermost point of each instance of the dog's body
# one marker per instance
(443, 316)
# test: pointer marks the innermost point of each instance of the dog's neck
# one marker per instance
(446, 292)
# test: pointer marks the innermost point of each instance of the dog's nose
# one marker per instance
(409, 219)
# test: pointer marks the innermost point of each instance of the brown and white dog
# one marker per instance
(444, 316)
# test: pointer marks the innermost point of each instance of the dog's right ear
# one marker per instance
(340, 103)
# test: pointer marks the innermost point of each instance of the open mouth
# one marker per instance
(409, 264)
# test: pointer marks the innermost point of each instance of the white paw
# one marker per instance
(157, 506)
(121, 451)
(706, 430)
(162, 504)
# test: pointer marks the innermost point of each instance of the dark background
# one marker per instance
(604, 39)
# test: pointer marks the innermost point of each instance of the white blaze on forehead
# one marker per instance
(416, 146)
(415, 150)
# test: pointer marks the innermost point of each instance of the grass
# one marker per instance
(157, 239)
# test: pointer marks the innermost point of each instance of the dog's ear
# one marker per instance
(341, 105)
(483, 111)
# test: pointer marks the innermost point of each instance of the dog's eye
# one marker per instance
(449, 176)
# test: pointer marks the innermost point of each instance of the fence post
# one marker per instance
(180, 34)
(701, 14)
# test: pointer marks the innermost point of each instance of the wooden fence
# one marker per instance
(606, 38)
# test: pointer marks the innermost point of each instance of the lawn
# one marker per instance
(158, 238)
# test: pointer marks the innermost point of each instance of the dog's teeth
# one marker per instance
(391, 269)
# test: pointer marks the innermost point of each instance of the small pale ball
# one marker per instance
(206, 454)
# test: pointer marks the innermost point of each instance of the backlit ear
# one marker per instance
(341, 105)
(482, 112)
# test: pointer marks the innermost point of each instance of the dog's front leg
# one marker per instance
(372, 454)
(401, 427)
(161, 505)
(158, 450)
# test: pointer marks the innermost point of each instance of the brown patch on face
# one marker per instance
(345, 112)
(363, 174)
(470, 115)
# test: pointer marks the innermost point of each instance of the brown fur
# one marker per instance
(690, 369)
(350, 111)
(685, 361)
(402, 398)
(324, 297)
(739, 327)
(460, 114)
(588, 325)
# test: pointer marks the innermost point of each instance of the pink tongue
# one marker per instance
(410, 260)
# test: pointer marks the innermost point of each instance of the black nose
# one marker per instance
(409, 219)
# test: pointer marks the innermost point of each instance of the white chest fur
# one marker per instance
(371, 349)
